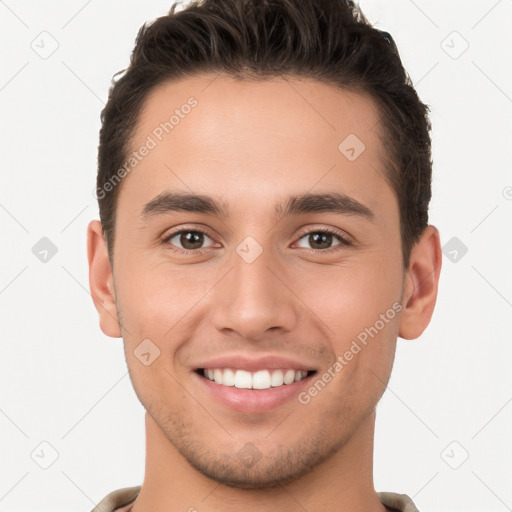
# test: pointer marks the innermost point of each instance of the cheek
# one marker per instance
(349, 297)
(154, 305)
(154, 302)
(359, 308)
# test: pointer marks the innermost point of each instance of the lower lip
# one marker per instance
(253, 400)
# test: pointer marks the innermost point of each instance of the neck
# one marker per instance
(343, 482)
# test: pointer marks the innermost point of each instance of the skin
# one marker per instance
(252, 144)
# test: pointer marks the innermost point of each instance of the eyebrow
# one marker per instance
(294, 205)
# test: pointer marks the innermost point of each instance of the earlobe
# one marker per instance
(101, 281)
(421, 284)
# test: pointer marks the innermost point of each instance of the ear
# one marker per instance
(421, 284)
(101, 280)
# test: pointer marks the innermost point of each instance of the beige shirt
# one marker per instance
(120, 501)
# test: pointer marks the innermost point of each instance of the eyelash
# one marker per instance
(344, 242)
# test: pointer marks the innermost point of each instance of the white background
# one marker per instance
(64, 383)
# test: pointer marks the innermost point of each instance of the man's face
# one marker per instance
(263, 288)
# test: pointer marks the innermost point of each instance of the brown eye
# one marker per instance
(191, 239)
(322, 240)
(188, 240)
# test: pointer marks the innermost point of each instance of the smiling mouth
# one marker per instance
(261, 379)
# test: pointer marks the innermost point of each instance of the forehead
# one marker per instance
(305, 108)
(215, 134)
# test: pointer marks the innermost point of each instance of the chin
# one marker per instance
(265, 477)
(250, 469)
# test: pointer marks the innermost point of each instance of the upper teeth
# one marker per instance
(262, 379)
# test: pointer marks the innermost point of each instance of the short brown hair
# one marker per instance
(328, 40)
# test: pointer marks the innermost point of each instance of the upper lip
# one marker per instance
(252, 364)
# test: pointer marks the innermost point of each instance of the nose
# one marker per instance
(254, 299)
